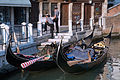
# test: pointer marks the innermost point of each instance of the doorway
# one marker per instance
(19, 15)
(87, 14)
(64, 14)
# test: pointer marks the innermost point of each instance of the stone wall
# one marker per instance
(115, 21)
(113, 18)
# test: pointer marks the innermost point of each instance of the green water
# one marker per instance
(110, 70)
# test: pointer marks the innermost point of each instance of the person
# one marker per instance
(50, 23)
(47, 56)
(55, 19)
(44, 26)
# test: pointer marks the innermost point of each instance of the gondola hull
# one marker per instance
(16, 61)
(78, 68)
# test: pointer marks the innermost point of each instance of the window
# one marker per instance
(45, 8)
(52, 8)
(98, 11)
(19, 15)
(5, 15)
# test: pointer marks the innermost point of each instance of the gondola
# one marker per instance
(84, 40)
(17, 59)
(74, 64)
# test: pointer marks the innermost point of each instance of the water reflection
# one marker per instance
(57, 74)
(112, 67)
(109, 70)
(52, 74)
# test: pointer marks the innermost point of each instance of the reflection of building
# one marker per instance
(70, 8)
(14, 11)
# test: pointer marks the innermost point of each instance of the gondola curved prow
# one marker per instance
(11, 57)
(61, 57)
(103, 39)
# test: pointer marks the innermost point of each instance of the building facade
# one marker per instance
(14, 12)
(89, 12)
(112, 19)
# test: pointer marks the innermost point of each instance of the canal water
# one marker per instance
(109, 70)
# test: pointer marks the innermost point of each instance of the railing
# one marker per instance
(79, 24)
(1, 40)
(25, 33)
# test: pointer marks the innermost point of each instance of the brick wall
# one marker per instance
(115, 21)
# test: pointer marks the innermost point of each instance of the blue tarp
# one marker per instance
(79, 53)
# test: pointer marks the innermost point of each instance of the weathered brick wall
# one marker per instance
(114, 10)
(115, 21)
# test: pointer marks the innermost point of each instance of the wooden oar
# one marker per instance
(71, 63)
(59, 45)
(30, 62)
(15, 38)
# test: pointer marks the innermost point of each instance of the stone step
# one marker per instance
(63, 34)
(46, 43)
(58, 40)
(65, 37)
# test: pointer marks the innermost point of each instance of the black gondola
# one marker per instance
(17, 59)
(76, 66)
